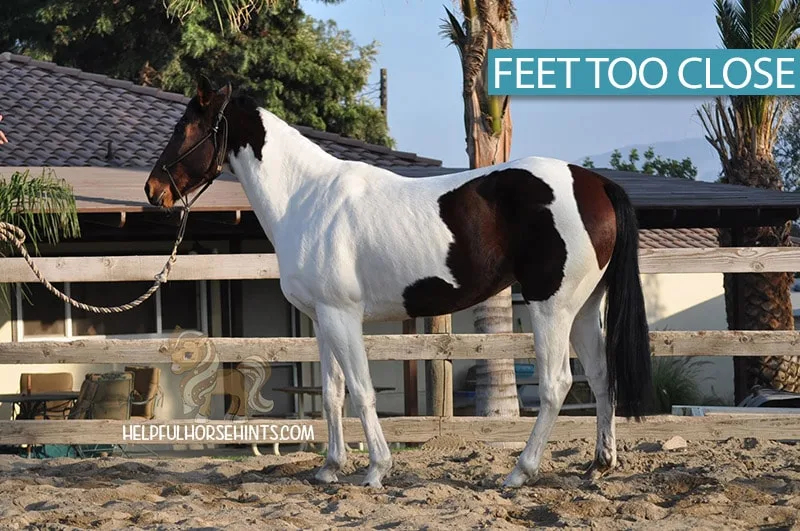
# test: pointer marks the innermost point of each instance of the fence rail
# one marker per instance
(396, 347)
(388, 347)
(265, 266)
(412, 429)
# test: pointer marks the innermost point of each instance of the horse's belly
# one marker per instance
(384, 311)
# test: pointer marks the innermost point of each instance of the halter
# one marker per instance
(219, 155)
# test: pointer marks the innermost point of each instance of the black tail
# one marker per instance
(627, 335)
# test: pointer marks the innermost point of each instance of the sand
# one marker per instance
(446, 484)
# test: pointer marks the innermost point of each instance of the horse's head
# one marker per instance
(194, 155)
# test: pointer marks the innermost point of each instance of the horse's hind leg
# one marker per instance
(587, 340)
(341, 329)
(332, 403)
(551, 325)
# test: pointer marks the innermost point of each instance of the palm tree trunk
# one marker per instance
(496, 390)
(496, 385)
(487, 121)
(759, 301)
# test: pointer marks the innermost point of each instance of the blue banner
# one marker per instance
(720, 72)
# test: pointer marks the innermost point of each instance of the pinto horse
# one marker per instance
(340, 231)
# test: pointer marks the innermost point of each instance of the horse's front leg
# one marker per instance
(332, 403)
(340, 329)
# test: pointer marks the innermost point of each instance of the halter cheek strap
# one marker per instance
(220, 149)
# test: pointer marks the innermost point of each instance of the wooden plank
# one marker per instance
(725, 343)
(138, 268)
(402, 429)
(388, 347)
(720, 260)
(265, 266)
(719, 427)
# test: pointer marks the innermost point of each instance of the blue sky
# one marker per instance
(425, 107)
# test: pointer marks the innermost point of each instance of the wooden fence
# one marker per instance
(398, 347)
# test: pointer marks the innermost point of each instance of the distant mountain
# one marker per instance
(698, 149)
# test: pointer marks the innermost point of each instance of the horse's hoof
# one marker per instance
(517, 478)
(599, 468)
(326, 475)
(376, 473)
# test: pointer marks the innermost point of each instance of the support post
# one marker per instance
(741, 365)
(384, 94)
(410, 394)
(439, 373)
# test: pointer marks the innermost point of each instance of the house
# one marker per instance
(103, 135)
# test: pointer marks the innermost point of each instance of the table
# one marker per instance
(31, 405)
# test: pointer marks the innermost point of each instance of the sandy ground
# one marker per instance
(446, 484)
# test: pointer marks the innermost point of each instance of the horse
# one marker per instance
(196, 360)
(340, 230)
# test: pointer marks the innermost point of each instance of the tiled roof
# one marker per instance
(58, 116)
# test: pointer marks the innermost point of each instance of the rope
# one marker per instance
(14, 235)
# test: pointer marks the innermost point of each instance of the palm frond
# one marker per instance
(451, 30)
(43, 207)
(236, 13)
(747, 126)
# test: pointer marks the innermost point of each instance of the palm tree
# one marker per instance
(486, 24)
(233, 13)
(744, 130)
(43, 207)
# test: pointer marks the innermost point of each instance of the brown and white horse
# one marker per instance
(340, 231)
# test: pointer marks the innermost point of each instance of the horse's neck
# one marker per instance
(290, 164)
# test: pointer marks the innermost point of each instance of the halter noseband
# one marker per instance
(219, 154)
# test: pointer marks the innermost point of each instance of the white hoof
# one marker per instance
(375, 474)
(516, 478)
(327, 474)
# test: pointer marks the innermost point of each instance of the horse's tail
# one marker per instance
(256, 372)
(627, 335)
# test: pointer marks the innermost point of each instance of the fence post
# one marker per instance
(439, 373)
(410, 393)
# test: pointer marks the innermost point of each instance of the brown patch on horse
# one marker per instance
(596, 211)
(502, 231)
(246, 127)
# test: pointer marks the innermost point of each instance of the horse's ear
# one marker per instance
(226, 90)
(204, 91)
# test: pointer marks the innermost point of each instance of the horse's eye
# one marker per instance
(187, 355)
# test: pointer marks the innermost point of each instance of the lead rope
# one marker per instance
(14, 235)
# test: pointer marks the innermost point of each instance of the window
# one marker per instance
(40, 316)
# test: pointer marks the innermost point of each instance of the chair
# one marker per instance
(105, 396)
(112, 398)
(146, 391)
(32, 383)
(83, 405)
